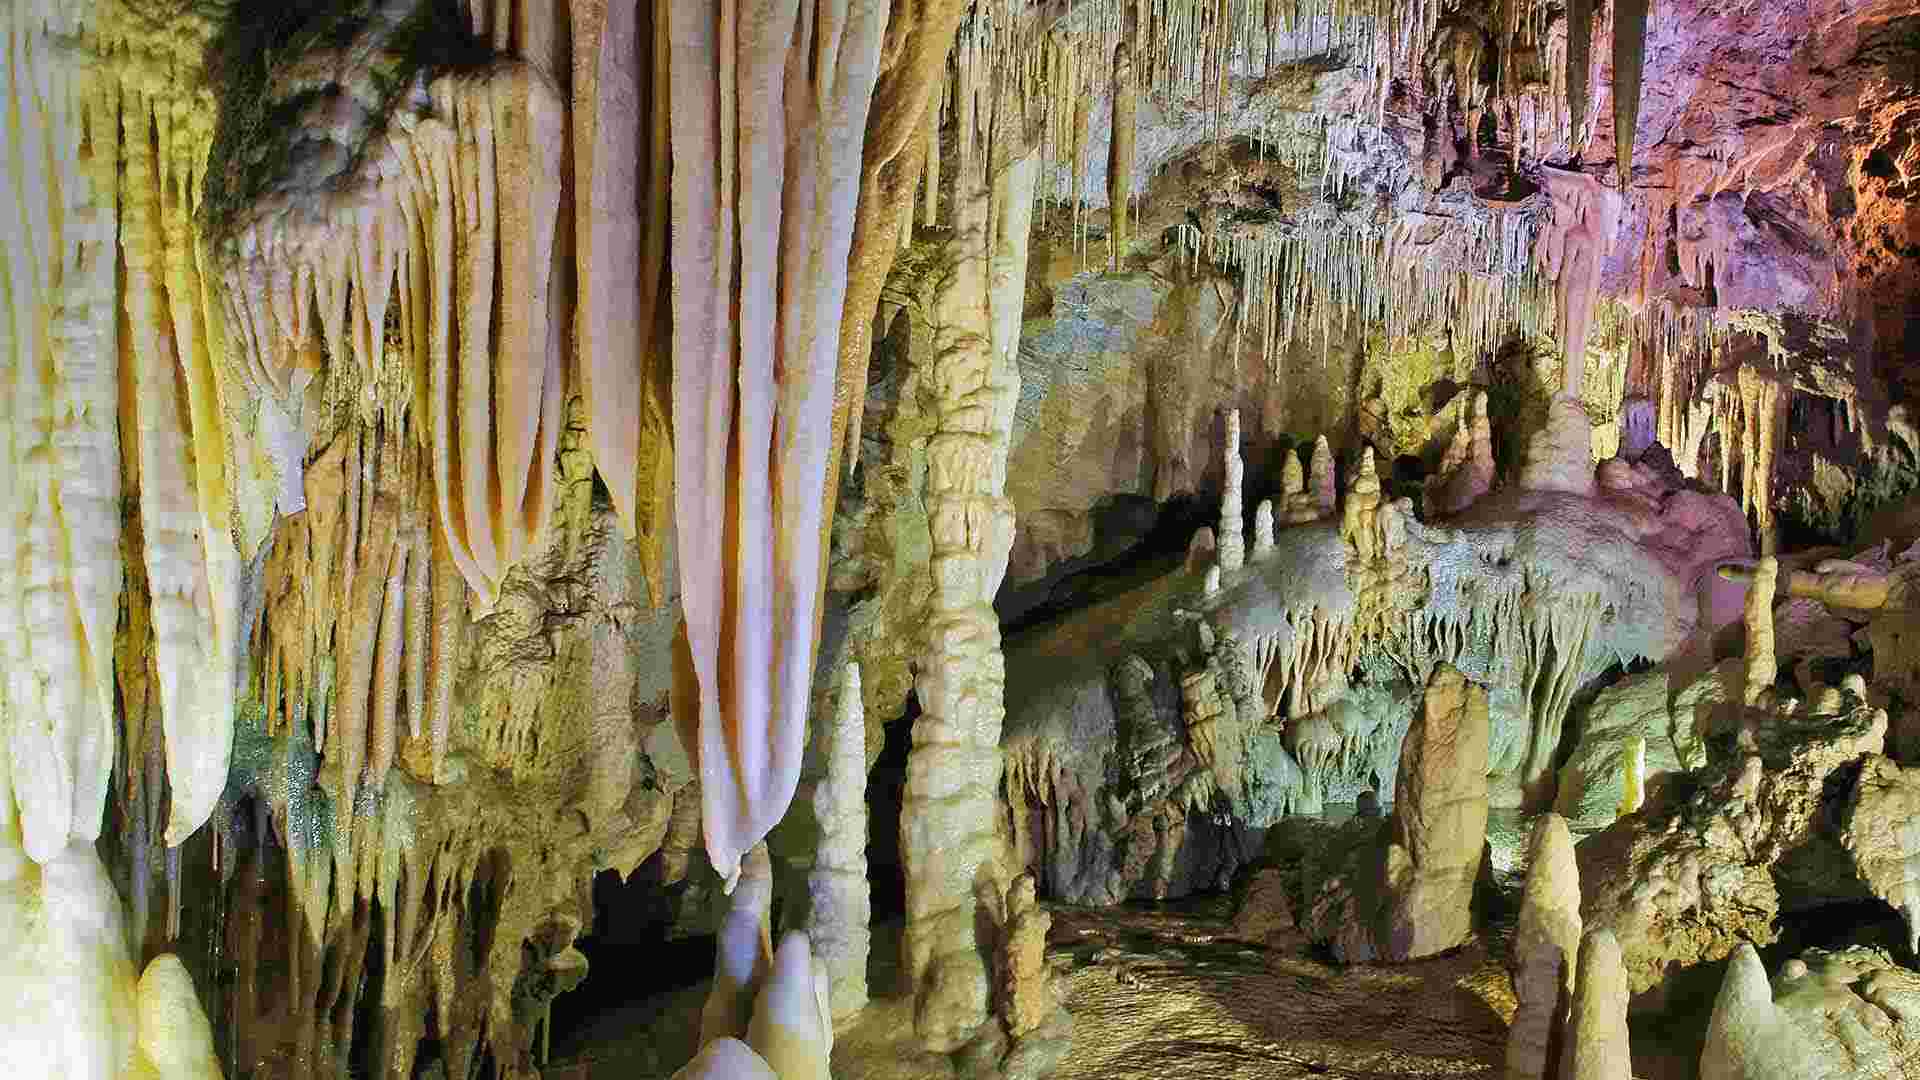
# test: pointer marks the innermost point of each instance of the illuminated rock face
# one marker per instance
(1546, 943)
(347, 413)
(1439, 822)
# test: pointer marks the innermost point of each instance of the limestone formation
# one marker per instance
(840, 905)
(1642, 718)
(1439, 818)
(949, 838)
(1025, 989)
(1407, 892)
(439, 441)
(1233, 529)
(1359, 525)
(1762, 668)
(1321, 472)
(1299, 505)
(1540, 1040)
(1263, 529)
(1882, 834)
(1466, 469)
(1560, 455)
(1596, 1045)
(1749, 1038)
(1681, 885)
(1120, 156)
(1633, 775)
(756, 352)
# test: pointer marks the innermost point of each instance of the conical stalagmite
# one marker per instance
(1596, 1046)
(1544, 945)
(837, 886)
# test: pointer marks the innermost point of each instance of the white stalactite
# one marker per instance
(770, 110)
(60, 570)
(192, 562)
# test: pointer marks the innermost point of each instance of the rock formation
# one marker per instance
(840, 905)
(949, 839)
(1439, 817)
(1684, 884)
(1540, 1041)
(1596, 1046)
(1749, 1037)
(1233, 528)
(1409, 892)
(1882, 834)
(442, 441)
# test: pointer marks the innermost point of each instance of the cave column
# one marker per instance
(953, 849)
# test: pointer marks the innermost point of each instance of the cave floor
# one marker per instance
(1157, 992)
(1163, 992)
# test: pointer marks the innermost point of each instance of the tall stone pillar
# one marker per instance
(1233, 531)
(951, 843)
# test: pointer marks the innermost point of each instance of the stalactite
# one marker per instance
(622, 324)
(1120, 158)
(1308, 285)
(461, 204)
(192, 563)
(59, 444)
(1585, 218)
(1579, 61)
(771, 328)
(1629, 61)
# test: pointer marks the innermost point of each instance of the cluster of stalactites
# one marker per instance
(1299, 289)
(445, 243)
(108, 332)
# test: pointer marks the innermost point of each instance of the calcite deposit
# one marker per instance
(492, 490)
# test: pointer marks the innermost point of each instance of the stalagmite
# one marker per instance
(1466, 472)
(837, 885)
(1233, 529)
(1544, 945)
(1596, 1046)
(1300, 505)
(1439, 821)
(1359, 513)
(175, 1038)
(1749, 1037)
(743, 951)
(949, 839)
(1761, 666)
(759, 254)
(1321, 471)
(792, 1029)
(1263, 526)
